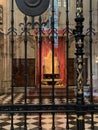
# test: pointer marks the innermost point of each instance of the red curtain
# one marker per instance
(59, 51)
(62, 58)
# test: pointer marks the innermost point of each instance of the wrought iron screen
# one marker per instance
(38, 98)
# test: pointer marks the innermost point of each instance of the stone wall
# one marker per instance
(5, 45)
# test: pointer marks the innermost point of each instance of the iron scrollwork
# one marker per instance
(79, 37)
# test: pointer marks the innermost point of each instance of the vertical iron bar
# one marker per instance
(53, 96)
(79, 37)
(40, 60)
(90, 42)
(90, 45)
(52, 27)
(25, 68)
(67, 46)
(12, 47)
(40, 65)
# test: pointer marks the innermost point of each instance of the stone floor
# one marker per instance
(33, 119)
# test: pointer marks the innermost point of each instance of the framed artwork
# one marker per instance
(1, 14)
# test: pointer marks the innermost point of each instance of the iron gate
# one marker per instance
(80, 109)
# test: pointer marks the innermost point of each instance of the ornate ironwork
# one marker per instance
(67, 55)
(53, 96)
(91, 32)
(26, 26)
(79, 37)
(80, 108)
(12, 47)
(40, 31)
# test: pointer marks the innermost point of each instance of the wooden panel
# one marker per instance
(71, 72)
(19, 70)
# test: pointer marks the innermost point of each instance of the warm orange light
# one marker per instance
(1, 2)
